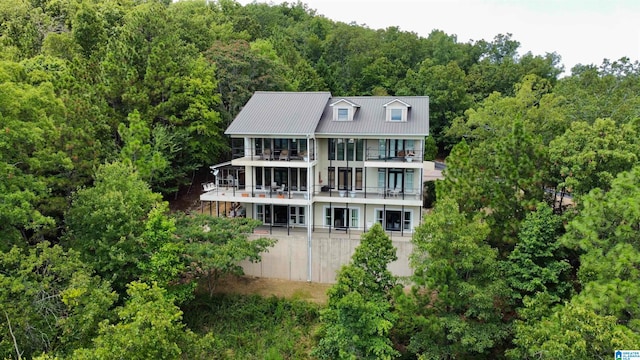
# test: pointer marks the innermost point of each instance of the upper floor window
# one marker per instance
(344, 110)
(343, 114)
(396, 115)
(397, 110)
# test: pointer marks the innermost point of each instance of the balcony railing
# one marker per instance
(397, 155)
(280, 191)
(281, 154)
(371, 193)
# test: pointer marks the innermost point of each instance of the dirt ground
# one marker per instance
(247, 285)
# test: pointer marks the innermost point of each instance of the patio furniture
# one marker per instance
(284, 155)
(267, 155)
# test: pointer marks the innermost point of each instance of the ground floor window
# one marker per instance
(297, 215)
(276, 215)
(341, 218)
(394, 220)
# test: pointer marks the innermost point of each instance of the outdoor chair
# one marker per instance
(284, 155)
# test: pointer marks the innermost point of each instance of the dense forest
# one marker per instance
(108, 108)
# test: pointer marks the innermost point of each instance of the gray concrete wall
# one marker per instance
(288, 258)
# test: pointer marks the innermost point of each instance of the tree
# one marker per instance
(540, 110)
(240, 71)
(214, 247)
(589, 156)
(34, 168)
(605, 233)
(446, 87)
(574, 332)
(169, 83)
(144, 152)
(50, 301)
(461, 298)
(358, 318)
(608, 91)
(536, 264)
(148, 327)
(502, 177)
(105, 222)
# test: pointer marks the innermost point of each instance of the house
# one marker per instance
(322, 169)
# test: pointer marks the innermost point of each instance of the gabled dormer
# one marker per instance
(344, 110)
(397, 110)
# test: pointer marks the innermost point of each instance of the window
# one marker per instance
(343, 114)
(359, 149)
(408, 181)
(341, 218)
(358, 178)
(296, 215)
(355, 218)
(344, 178)
(396, 114)
(332, 177)
(332, 149)
(394, 220)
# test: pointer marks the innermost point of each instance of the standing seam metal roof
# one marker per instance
(371, 118)
(310, 113)
(280, 113)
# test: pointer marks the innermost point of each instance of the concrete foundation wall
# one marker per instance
(288, 258)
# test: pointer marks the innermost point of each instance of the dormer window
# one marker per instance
(343, 114)
(396, 115)
(344, 110)
(397, 110)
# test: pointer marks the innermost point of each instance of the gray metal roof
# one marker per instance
(280, 113)
(370, 117)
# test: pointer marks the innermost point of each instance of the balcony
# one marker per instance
(282, 193)
(257, 194)
(370, 195)
(267, 158)
(398, 159)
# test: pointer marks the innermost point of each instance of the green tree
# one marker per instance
(214, 247)
(584, 90)
(460, 298)
(142, 151)
(574, 332)
(240, 71)
(358, 319)
(148, 68)
(605, 232)
(540, 110)
(50, 301)
(148, 327)
(446, 87)
(105, 222)
(164, 261)
(589, 156)
(34, 168)
(536, 264)
(502, 177)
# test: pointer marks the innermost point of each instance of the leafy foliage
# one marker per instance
(606, 233)
(214, 246)
(50, 300)
(460, 302)
(148, 327)
(573, 331)
(104, 222)
(536, 264)
(589, 156)
(358, 319)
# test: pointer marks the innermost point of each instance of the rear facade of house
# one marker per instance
(319, 170)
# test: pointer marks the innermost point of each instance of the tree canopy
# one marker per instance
(108, 107)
